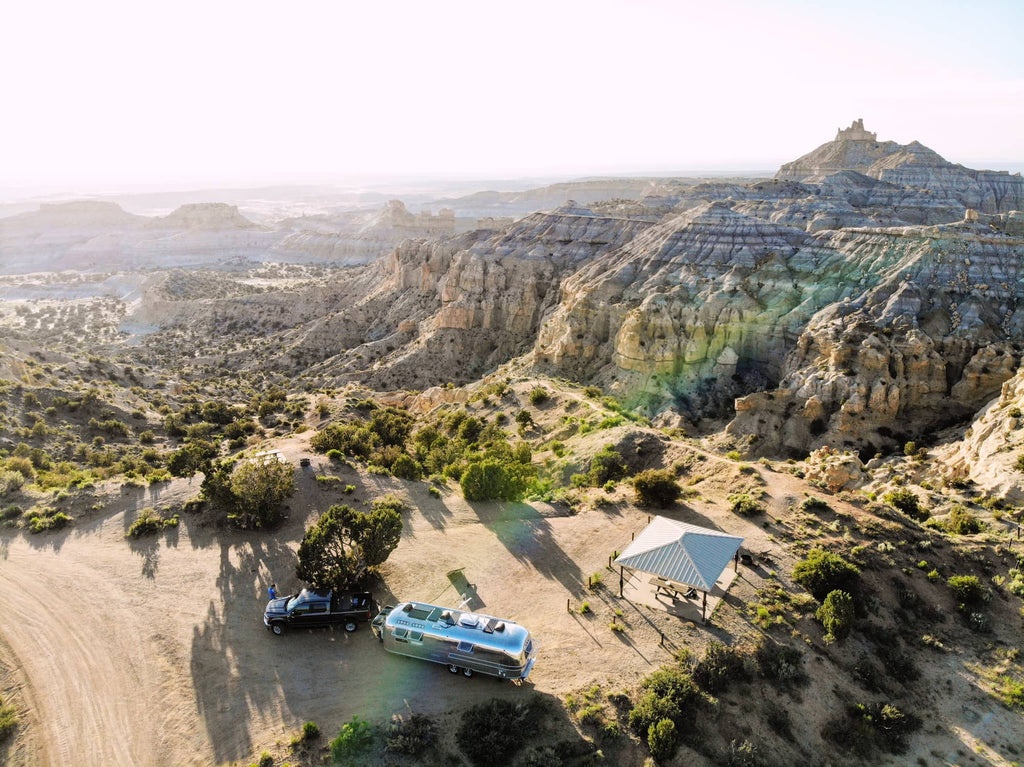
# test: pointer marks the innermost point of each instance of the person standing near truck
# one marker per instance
(272, 591)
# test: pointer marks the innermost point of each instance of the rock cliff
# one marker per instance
(909, 166)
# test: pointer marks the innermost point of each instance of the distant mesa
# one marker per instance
(205, 215)
(397, 216)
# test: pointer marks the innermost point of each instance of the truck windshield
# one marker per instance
(291, 603)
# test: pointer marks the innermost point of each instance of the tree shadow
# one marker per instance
(230, 687)
(529, 537)
(148, 549)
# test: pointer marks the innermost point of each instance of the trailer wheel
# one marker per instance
(351, 626)
(467, 672)
(277, 628)
(453, 668)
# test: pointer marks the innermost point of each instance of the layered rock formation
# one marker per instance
(856, 308)
(913, 165)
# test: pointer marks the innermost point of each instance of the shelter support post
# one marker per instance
(736, 562)
(704, 609)
(620, 581)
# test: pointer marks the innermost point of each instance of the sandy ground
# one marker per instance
(154, 653)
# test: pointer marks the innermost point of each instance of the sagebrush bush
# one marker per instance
(539, 395)
(836, 615)
(779, 663)
(720, 666)
(354, 738)
(656, 487)
(662, 739)
(967, 590)
(495, 731)
(822, 571)
(905, 500)
(962, 522)
(8, 721)
(410, 736)
(744, 505)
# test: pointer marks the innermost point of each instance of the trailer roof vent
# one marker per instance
(492, 625)
(468, 619)
(446, 616)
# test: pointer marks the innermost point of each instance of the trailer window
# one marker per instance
(465, 647)
(397, 633)
(416, 636)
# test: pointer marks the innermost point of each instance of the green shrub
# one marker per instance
(52, 521)
(967, 590)
(410, 736)
(836, 615)
(495, 731)
(813, 505)
(720, 666)
(354, 738)
(406, 467)
(865, 728)
(147, 523)
(492, 478)
(779, 663)
(656, 487)
(348, 439)
(906, 501)
(961, 522)
(822, 571)
(668, 693)
(266, 760)
(538, 396)
(8, 721)
(662, 739)
(310, 731)
(607, 465)
(744, 505)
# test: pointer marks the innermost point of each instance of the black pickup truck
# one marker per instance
(312, 608)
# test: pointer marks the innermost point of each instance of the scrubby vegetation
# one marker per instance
(656, 487)
(821, 572)
(497, 730)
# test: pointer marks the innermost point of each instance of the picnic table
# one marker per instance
(673, 590)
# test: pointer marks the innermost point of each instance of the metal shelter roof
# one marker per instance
(680, 552)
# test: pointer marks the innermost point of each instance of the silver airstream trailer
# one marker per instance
(467, 643)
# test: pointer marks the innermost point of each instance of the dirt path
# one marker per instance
(154, 653)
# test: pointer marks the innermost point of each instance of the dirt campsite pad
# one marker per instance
(154, 652)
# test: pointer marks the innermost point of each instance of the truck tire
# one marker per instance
(351, 626)
(277, 628)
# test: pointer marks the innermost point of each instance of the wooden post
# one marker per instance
(632, 536)
(736, 562)
(620, 580)
(567, 608)
(704, 609)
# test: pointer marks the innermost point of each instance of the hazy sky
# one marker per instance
(218, 91)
